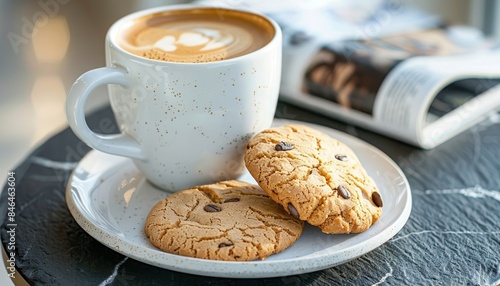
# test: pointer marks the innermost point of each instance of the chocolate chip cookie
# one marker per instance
(315, 178)
(229, 220)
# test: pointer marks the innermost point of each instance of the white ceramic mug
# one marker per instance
(183, 124)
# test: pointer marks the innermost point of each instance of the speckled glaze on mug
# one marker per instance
(183, 124)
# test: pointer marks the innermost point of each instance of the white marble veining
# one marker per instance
(387, 275)
(441, 232)
(53, 164)
(473, 192)
(112, 277)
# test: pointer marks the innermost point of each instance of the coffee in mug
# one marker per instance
(196, 35)
(188, 85)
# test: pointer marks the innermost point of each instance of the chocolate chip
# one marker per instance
(377, 199)
(343, 192)
(341, 157)
(283, 146)
(232, 200)
(293, 211)
(225, 244)
(212, 208)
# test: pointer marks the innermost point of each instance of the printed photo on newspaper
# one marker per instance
(421, 87)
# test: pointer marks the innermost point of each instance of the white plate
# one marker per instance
(110, 199)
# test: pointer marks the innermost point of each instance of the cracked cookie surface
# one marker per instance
(315, 178)
(230, 220)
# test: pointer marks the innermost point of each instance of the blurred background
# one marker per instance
(46, 44)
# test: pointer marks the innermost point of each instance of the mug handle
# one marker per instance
(117, 144)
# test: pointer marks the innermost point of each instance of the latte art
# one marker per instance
(199, 40)
(205, 35)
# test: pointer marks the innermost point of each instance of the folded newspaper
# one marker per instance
(385, 67)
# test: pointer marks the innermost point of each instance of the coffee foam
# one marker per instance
(197, 35)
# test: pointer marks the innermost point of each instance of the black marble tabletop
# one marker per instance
(451, 238)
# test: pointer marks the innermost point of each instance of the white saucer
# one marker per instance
(110, 199)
